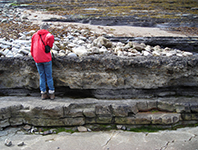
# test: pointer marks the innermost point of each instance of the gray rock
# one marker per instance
(21, 144)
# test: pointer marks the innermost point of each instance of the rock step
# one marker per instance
(76, 112)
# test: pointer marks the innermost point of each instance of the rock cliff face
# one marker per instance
(105, 76)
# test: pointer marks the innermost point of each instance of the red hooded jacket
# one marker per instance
(38, 48)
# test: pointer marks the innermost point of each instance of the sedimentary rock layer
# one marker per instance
(105, 76)
(75, 112)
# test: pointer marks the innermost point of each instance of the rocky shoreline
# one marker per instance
(75, 42)
(74, 45)
(122, 82)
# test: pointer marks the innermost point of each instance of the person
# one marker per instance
(43, 60)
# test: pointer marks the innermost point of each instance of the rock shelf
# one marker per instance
(164, 112)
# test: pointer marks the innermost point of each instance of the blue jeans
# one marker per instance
(45, 72)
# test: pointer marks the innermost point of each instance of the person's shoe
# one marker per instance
(52, 96)
(44, 96)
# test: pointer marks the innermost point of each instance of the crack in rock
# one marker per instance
(166, 145)
(111, 137)
(192, 137)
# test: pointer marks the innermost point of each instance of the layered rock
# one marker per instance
(105, 76)
(76, 112)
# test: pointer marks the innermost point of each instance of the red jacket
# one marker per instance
(38, 48)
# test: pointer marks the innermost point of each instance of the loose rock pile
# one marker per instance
(69, 40)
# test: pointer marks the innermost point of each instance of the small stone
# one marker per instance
(119, 127)
(148, 48)
(155, 53)
(27, 127)
(124, 128)
(80, 51)
(82, 129)
(146, 53)
(178, 54)
(187, 54)
(120, 53)
(21, 144)
(8, 142)
(89, 130)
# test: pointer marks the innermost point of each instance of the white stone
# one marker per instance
(72, 55)
(148, 48)
(103, 50)
(5, 42)
(120, 44)
(18, 55)
(82, 38)
(118, 48)
(24, 52)
(55, 52)
(15, 50)
(9, 54)
(145, 53)
(125, 53)
(131, 54)
(56, 42)
(157, 48)
(120, 53)
(80, 42)
(155, 53)
(179, 54)
(169, 54)
(133, 50)
(4, 46)
(187, 54)
(71, 45)
(55, 47)
(80, 51)
(61, 54)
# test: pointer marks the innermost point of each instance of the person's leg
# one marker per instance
(41, 71)
(50, 83)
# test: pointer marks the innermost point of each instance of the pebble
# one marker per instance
(21, 144)
(8, 142)
(27, 127)
(82, 129)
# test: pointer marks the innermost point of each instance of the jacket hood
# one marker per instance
(43, 31)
